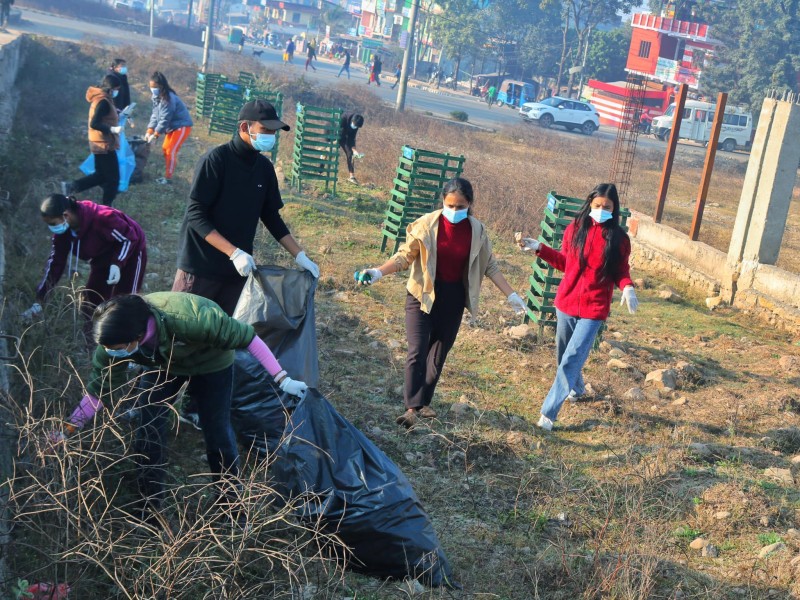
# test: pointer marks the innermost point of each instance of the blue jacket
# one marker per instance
(169, 115)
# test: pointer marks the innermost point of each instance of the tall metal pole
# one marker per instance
(152, 12)
(708, 166)
(189, 16)
(666, 171)
(401, 91)
(209, 36)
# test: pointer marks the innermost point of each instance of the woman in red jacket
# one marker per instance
(594, 258)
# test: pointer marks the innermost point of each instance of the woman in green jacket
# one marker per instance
(179, 337)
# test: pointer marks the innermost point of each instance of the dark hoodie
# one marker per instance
(123, 99)
(107, 237)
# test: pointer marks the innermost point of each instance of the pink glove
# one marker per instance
(265, 356)
(88, 407)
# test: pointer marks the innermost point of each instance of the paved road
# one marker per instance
(419, 97)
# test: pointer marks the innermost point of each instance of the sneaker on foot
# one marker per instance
(408, 419)
(573, 396)
(163, 181)
(190, 418)
(353, 179)
(545, 423)
(426, 412)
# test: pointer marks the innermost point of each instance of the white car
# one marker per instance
(572, 114)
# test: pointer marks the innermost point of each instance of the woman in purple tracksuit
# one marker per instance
(112, 242)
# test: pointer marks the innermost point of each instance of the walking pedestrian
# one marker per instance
(375, 72)
(348, 130)
(594, 258)
(120, 68)
(311, 54)
(397, 72)
(103, 136)
(345, 64)
(449, 254)
(180, 338)
(234, 188)
(290, 46)
(169, 118)
(113, 243)
(5, 12)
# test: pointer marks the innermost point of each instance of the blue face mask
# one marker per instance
(122, 352)
(600, 215)
(353, 126)
(60, 228)
(155, 92)
(123, 71)
(114, 93)
(455, 216)
(263, 142)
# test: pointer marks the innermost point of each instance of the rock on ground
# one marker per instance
(662, 378)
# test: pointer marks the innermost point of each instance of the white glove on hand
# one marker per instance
(33, 311)
(292, 387)
(243, 262)
(528, 244)
(629, 298)
(306, 263)
(358, 154)
(115, 129)
(113, 275)
(517, 303)
(149, 137)
(374, 274)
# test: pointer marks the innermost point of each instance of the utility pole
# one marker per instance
(401, 92)
(209, 36)
(189, 16)
(152, 12)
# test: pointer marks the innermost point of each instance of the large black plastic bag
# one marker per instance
(355, 491)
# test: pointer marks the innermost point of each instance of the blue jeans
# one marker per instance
(212, 391)
(574, 339)
(345, 68)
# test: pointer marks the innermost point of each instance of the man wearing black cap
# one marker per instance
(234, 188)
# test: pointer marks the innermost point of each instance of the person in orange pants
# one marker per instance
(169, 118)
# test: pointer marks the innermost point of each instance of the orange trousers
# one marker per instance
(172, 144)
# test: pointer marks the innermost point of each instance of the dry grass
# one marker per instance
(600, 509)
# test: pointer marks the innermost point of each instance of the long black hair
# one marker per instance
(459, 185)
(56, 205)
(612, 232)
(161, 81)
(120, 320)
(110, 82)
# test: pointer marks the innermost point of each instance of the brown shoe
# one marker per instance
(408, 419)
(426, 412)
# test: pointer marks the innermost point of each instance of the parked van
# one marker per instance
(698, 118)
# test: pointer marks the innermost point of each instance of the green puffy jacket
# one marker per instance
(195, 336)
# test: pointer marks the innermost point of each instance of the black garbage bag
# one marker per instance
(352, 489)
(141, 153)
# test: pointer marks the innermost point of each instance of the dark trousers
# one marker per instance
(106, 175)
(430, 337)
(224, 292)
(212, 392)
(348, 154)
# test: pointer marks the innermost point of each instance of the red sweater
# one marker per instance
(586, 296)
(453, 243)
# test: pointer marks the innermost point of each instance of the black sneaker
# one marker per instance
(190, 418)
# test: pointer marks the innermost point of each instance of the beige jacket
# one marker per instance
(419, 252)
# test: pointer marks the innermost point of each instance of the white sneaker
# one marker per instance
(545, 423)
(163, 181)
(573, 396)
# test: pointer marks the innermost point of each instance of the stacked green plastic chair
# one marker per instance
(227, 104)
(246, 79)
(205, 92)
(316, 146)
(559, 212)
(417, 190)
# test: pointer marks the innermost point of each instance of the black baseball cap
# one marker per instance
(263, 112)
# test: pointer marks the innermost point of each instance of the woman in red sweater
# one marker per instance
(594, 258)
(449, 254)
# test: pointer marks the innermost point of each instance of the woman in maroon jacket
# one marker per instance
(594, 258)
(112, 242)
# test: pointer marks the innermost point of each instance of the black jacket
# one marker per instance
(347, 135)
(234, 188)
(123, 99)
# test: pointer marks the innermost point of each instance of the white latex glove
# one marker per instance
(149, 137)
(629, 298)
(115, 129)
(113, 275)
(292, 387)
(528, 244)
(33, 311)
(306, 263)
(358, 154)
(517, 303)
(243, 262)
(374, 274)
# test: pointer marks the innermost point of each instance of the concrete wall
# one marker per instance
(10, 58)
(766, 291)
